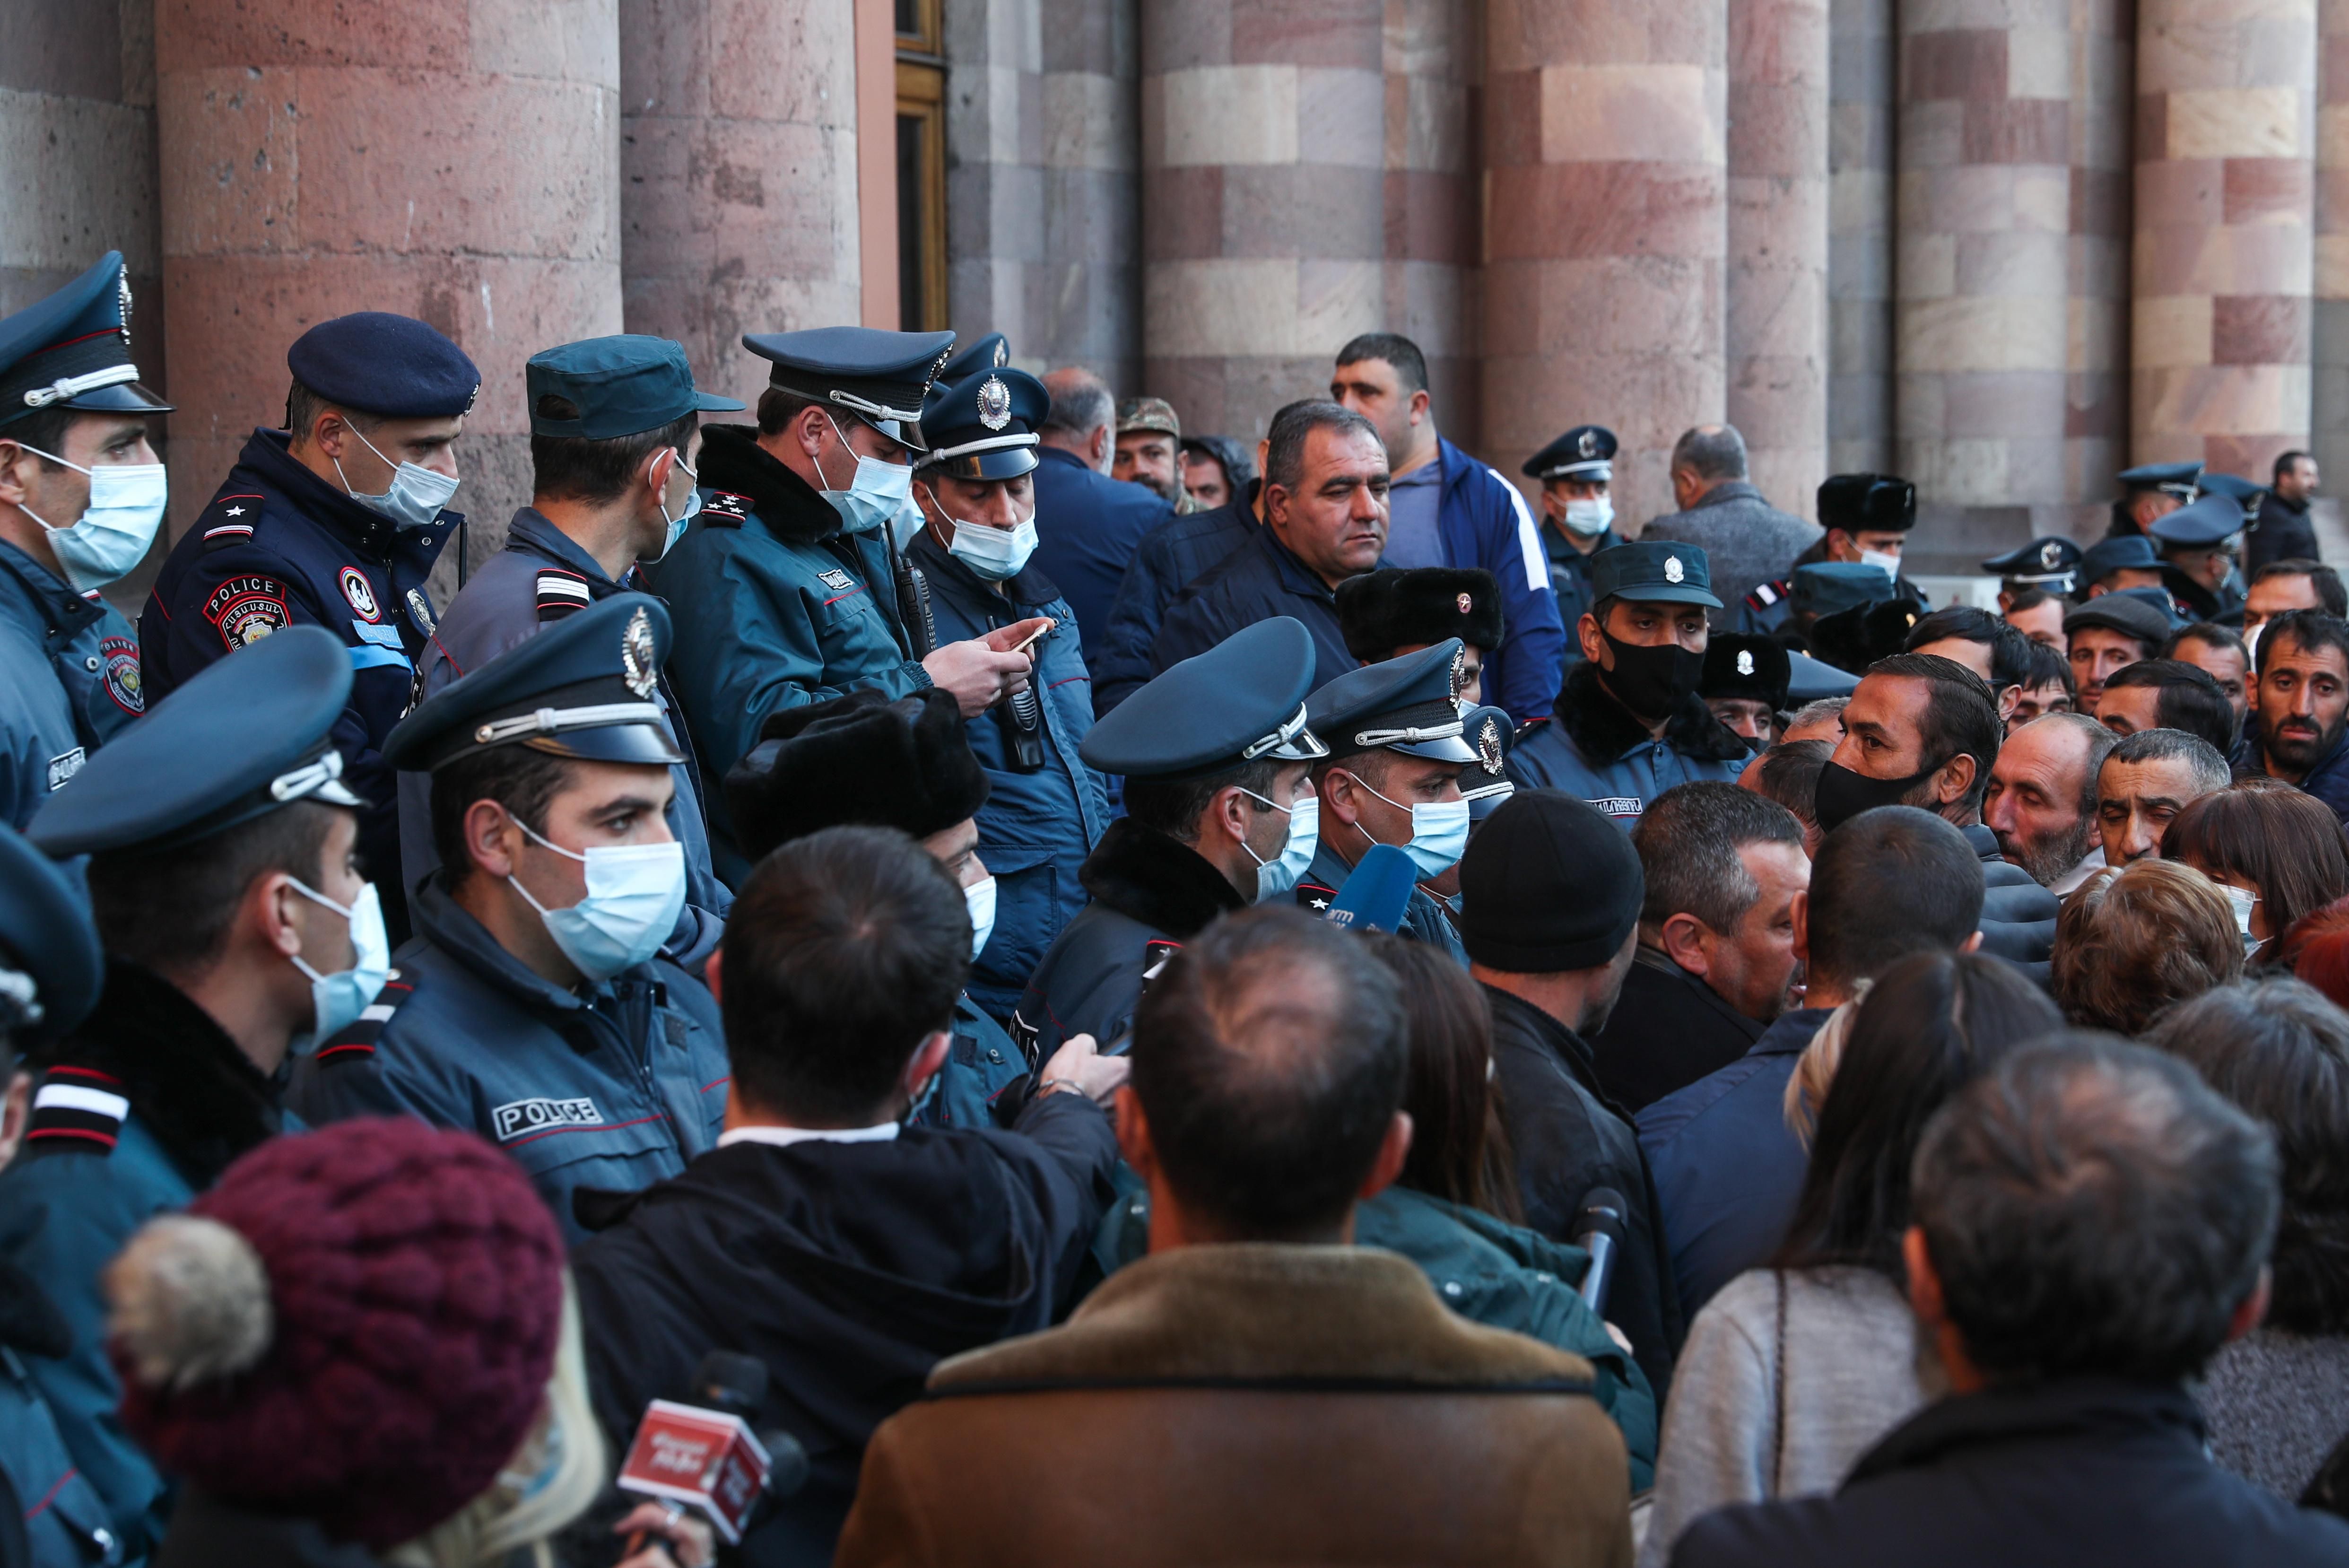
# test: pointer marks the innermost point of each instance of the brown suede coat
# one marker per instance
(1251, 1403)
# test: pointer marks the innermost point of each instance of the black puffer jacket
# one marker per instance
(2018, 918)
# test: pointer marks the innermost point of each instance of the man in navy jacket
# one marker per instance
(1088, 525)
(1446, 509)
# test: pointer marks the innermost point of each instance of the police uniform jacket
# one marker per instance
(540, 577)
(2223, 605)
(1170, 558)
(54, 1517)
(69, 679)
(1569, 578)
(1593, 748)
(1151, 895)
(276, 546)
(135, 1113)
(1088, 528)
(777, 607)
(1036, 829)
(1259, 580)
(981, 1065)
(1424, 920)
(613, 1089)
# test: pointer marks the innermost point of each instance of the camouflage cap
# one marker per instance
(1148, 414)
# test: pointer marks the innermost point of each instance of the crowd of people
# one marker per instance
(1168, 1002)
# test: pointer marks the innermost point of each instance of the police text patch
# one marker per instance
(839, 582)
(247, 608)
(516, 1117)
(64, 766)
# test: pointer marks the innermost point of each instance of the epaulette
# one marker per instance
(76, 1110)
(725, 509)
(1314, 896)
(1769, 594)
(561, 593)
(1155, 954)
(355, 1042)
(232, 527)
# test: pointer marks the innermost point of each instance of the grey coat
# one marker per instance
(1747, 541)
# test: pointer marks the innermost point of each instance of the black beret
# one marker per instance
(1548, 886)
(1403, 606)
(858, 760)
(379, 363)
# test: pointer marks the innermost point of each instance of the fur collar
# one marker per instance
(733, 461)
(1602, 729)
(1150, 878)
(185, 1077)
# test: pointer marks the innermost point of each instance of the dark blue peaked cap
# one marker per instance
(984, 426)
(2243, 492)
(46, 936)
(1241, 702)
(587, 687)
(2174, 478)
(879, 377)
(622, 385)
(378, 363)
(245, 735)
(73, 350)
(1397, 705)
(992, 352)
(2052, 560)
(1490, 732)
(1585, 450)
(2106, 556)
(2199, 524)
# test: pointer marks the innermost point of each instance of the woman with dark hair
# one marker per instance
(2133, 941)
(1793, 1371)
(2277, 1399)
(2276, 852)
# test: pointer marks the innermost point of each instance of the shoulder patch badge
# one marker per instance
(639, 655)
(247, 608)
(76, 1108)
(123, 681)
(561, 593)
(360, 592)
(419, 610)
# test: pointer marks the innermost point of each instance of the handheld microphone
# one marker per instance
(1376, 892)
(705, 1456)
(1598, 1231)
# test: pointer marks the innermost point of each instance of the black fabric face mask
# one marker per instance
(1652, 682)
(1844, 794)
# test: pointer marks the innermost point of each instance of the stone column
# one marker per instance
(2096, 432)
(1860, 117)
(1981, 277)
(2329, 396)
(456, 160)
(738, 175)
(1432, 63)
(1605, 190)
(1263, 156)
(1775, 293)
(2221, 321)
(1043, 192)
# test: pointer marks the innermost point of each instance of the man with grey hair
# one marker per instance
(2042, 800)
(1088, 525)
(2144, 781)
(1716, 956)
(1325, 520)
(1748, 541)
(2091, 1225)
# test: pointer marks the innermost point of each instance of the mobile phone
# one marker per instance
(1041, 631)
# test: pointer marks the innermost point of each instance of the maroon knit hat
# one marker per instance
(387, 1358)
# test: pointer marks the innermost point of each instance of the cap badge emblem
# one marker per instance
(2051, 555)
(1488, 744)
(1459, 669)
(1002, 354)
(1588, 443)
(994, 404)
(639, 659)
(1745, 662)
(1673, 570)
(122, 282)
(1465, 603)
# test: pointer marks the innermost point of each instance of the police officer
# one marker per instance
(864, 760)
(786, 586)
(1744, 684)
(1393, 776)
(81, 495)
(2198, 544)
(2051, 565)
(615, 429)
(224, 877)
(2111, 566)
(50, 971)
(1485, 784)
(1397, 610)
(1629, 723)
(1866, 518)
(334, 522)
(1577, 473)
(2149, 491)
(974, 571)
(533, 1006)
(1791, 610)
(1219, 813)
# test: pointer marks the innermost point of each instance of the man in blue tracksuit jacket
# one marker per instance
(1446, 509)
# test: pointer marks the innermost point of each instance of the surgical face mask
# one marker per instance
(416, 497)
(1439, 833)
(906, 526)
(692, 508)
(1589, 518)
(336, 999)
(877, 494)
(126, 507)
(994, 553)
(1889, 564)
(980, 899)
(2243, 899)
(635, 894)
(1284, 872)
(1652, 679)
